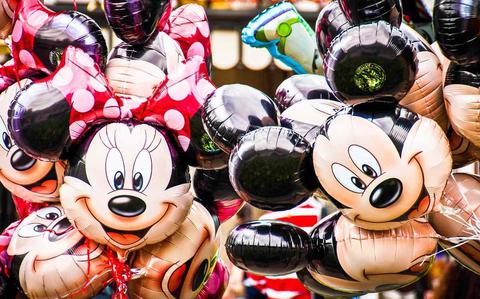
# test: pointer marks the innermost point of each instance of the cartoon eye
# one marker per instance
(49, 213)
(6, 141)
(142, 171)
(348, 179)
(115, 169)
(365, 161)
(200, 275)
(32, 230)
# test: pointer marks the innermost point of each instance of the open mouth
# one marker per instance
(83, 247)
(125, 237)
(46, 185)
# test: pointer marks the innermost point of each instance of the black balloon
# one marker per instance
(463, 74)
(213, 186)
(330, 22)
(456, 24)
(314, 286)
(371, 61)
(365, 11)
(268, 248)
(271, 168)
(135, 21)
(234, 110)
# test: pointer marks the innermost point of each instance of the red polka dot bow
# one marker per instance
(175, 101)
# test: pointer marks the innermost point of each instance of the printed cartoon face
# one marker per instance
(46, 247)
(127, 187)
(174, 273)
(28, 178)
(359, 260)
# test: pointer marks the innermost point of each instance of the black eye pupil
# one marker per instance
(6, 140)
(40, 228)
(118, 180)
(368, 170)
(51, 216)
(358, 182)
(200, 275)
(138, 181)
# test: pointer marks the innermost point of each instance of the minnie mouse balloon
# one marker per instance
(51, 259)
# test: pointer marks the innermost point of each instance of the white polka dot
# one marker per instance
(205, 88)
(83, 100)
(63, 77)
(97, 85)
(17, 32)
(27, 59)
(111, 109)
(196, 49)
(37, 18)
(204, 28)
(174, 119)
(76, 129)
(179, 90)
(184, 142)
(84, 59)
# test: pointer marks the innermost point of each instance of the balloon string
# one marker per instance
(121, 274)
(88, 257)
(75, 5)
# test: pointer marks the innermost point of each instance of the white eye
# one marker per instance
(348, 179)
(5, 140)
(365, 161)
(142, 171)
(115, 169)
(32, 230)
(49, 213)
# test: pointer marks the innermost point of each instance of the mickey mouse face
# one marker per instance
(45, 246)
(127, 186)
(30, 179)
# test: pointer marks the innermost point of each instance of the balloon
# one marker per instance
(217, 283)
(367, 155)
(371, 61)
(40, 36)
(47, 248)
(180, 266)
(26, 178)
(463, 151)
(214, 191)
(314, 286)
(280, 29)
(268, 247)
(302, 87)
(350, 259)
(7, 9)
(461, 98)
(233, 110)
(456, 213)
(367, 11)
(457, 31)
(330, 22)
(136, 21)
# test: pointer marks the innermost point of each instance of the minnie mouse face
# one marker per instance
(28, 178)
(46, 247)
(126, 186)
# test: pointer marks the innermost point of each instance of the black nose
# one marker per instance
(21, 161)
(59, 230)
(127, 206)
(386, 194)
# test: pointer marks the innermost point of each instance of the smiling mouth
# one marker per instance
(81, 248)
(46, 185)
(125, 237)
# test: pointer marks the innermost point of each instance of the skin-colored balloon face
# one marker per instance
(28, 178)
(462, 194)
(179, 266)
(463, 151)
(127, 187)
(360, 261)
(47, 248)
(7, 9)
(380, 181)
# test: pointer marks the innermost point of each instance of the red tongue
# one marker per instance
(124, 239)
(47, 187)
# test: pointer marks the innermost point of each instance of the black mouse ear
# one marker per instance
(234, 110)
(457, 30)
(268, 247)
(367, 11)
(330, 22)
(371, 61)
(271, 168)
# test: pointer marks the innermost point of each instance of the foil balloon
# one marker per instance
(280, 29)
(126, 184)
(463, 151)
(31, 182)
(371, 61)
(330, 22)
(458, 35)
(39, 37)
(217, 283)
(135, 22)
(345, 259)
(173, 273)
(7, 10)
(455, 216)
(366, 170)
(368, 11)
(45, 247)
(302, 87)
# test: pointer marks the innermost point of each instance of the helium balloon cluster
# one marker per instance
(96, 151)
(375, 136)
